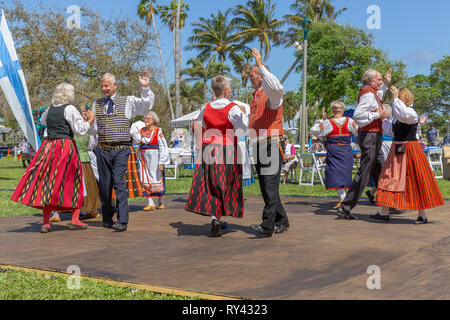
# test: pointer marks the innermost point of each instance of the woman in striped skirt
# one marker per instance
(406, 181)
(54, 179)
(216, 189)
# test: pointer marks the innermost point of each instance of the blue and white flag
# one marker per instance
(12, 82)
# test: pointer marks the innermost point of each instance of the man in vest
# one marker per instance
(112, 124)
(368, 115)
(266, 127)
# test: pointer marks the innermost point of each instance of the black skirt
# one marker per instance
(217, 183)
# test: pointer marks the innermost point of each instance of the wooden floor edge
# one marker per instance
(156, 289)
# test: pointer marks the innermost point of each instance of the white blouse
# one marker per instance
(163, 152)
(328, 127)
(73, 117)
(367, 103)
(273, 89)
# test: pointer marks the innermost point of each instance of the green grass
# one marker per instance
(11, 171)
(20, 285)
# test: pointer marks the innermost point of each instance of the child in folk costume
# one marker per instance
(406, 181)
(339, 164)
(54, 179)
(216, 189)
(153, 154)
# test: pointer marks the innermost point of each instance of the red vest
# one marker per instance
(376, 125)
(262, 117)
(218, 129)
(149, 133)
(339, 131)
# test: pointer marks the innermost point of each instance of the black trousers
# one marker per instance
(268, 166)
(372, 161)
(112, 166)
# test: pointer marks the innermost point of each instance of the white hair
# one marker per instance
(64, 94)
(154, 117)
(369, 75)
(110, 77)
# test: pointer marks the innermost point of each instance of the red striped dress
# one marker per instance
(406, 181)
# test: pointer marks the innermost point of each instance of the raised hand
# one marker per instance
(394, 91)
(145, 79)
(258, 58)
(422, 120)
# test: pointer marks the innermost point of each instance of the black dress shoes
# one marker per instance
(108, 225)
(395, 211)
(119, 227)
(281, 229)
(215, 228)
(421, 220)
(345, 213)
(378, 216)
(371, 197)
(261, 231)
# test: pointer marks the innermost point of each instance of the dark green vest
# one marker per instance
(57, 125)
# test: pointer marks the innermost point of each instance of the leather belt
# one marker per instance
(112, 148)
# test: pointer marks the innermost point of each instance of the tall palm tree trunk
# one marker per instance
(163, 67)
(177, 62)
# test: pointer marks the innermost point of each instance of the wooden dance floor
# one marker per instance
(320, 257)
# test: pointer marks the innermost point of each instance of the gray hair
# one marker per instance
(64, 94)
(154, 117)
(110, 77)
(337, 104)
(388, 108)
(369, 75)
(219, 84)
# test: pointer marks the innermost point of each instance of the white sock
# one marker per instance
(341, 193)
(150, 202)
(213, 218)
(422, 214)
(384, 211)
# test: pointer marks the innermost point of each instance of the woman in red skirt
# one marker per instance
(54, 179)
(216, 189)
(406, 181)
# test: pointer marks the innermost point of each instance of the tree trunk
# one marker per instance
(177, 62)
(163, 67)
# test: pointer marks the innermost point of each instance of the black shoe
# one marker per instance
(215, 228)
(260, 230)
(223, 225)
(421, 220)
(108, 225)
(345, 213)
(281, 229)
(378, 216)
(395, 211)
(371, 197)
(119, 227)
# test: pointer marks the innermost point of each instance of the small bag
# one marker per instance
(400, 148)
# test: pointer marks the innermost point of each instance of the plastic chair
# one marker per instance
(435, 159)
(309, 163)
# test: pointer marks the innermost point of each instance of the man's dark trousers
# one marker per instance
(112, 166)
(273, 213)
(372, 161)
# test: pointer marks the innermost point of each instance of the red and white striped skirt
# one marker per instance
(53, 179)
(421, 190)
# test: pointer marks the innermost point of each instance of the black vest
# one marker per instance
(405, 132)
(57, 125)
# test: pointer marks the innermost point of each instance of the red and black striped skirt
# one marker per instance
(217, 183)
(421, 189)
(53, 178)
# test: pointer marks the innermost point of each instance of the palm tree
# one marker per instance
(242, 65)
(174, 15)
(214, 37)
(200, 72)
(146, 10)
(256, 21)
(315, 10)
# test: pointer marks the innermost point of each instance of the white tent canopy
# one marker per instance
(184, 121)
(4, 129)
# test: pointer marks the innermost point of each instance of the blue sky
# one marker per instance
(414, 31)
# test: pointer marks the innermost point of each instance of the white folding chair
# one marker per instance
(172, 168)
(435, 159)
(309, 164)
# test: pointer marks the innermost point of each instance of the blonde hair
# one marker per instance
(219, 84)
(406, 96)
(154, 117)
(337, 105)
(369, 75)
(64, 94)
